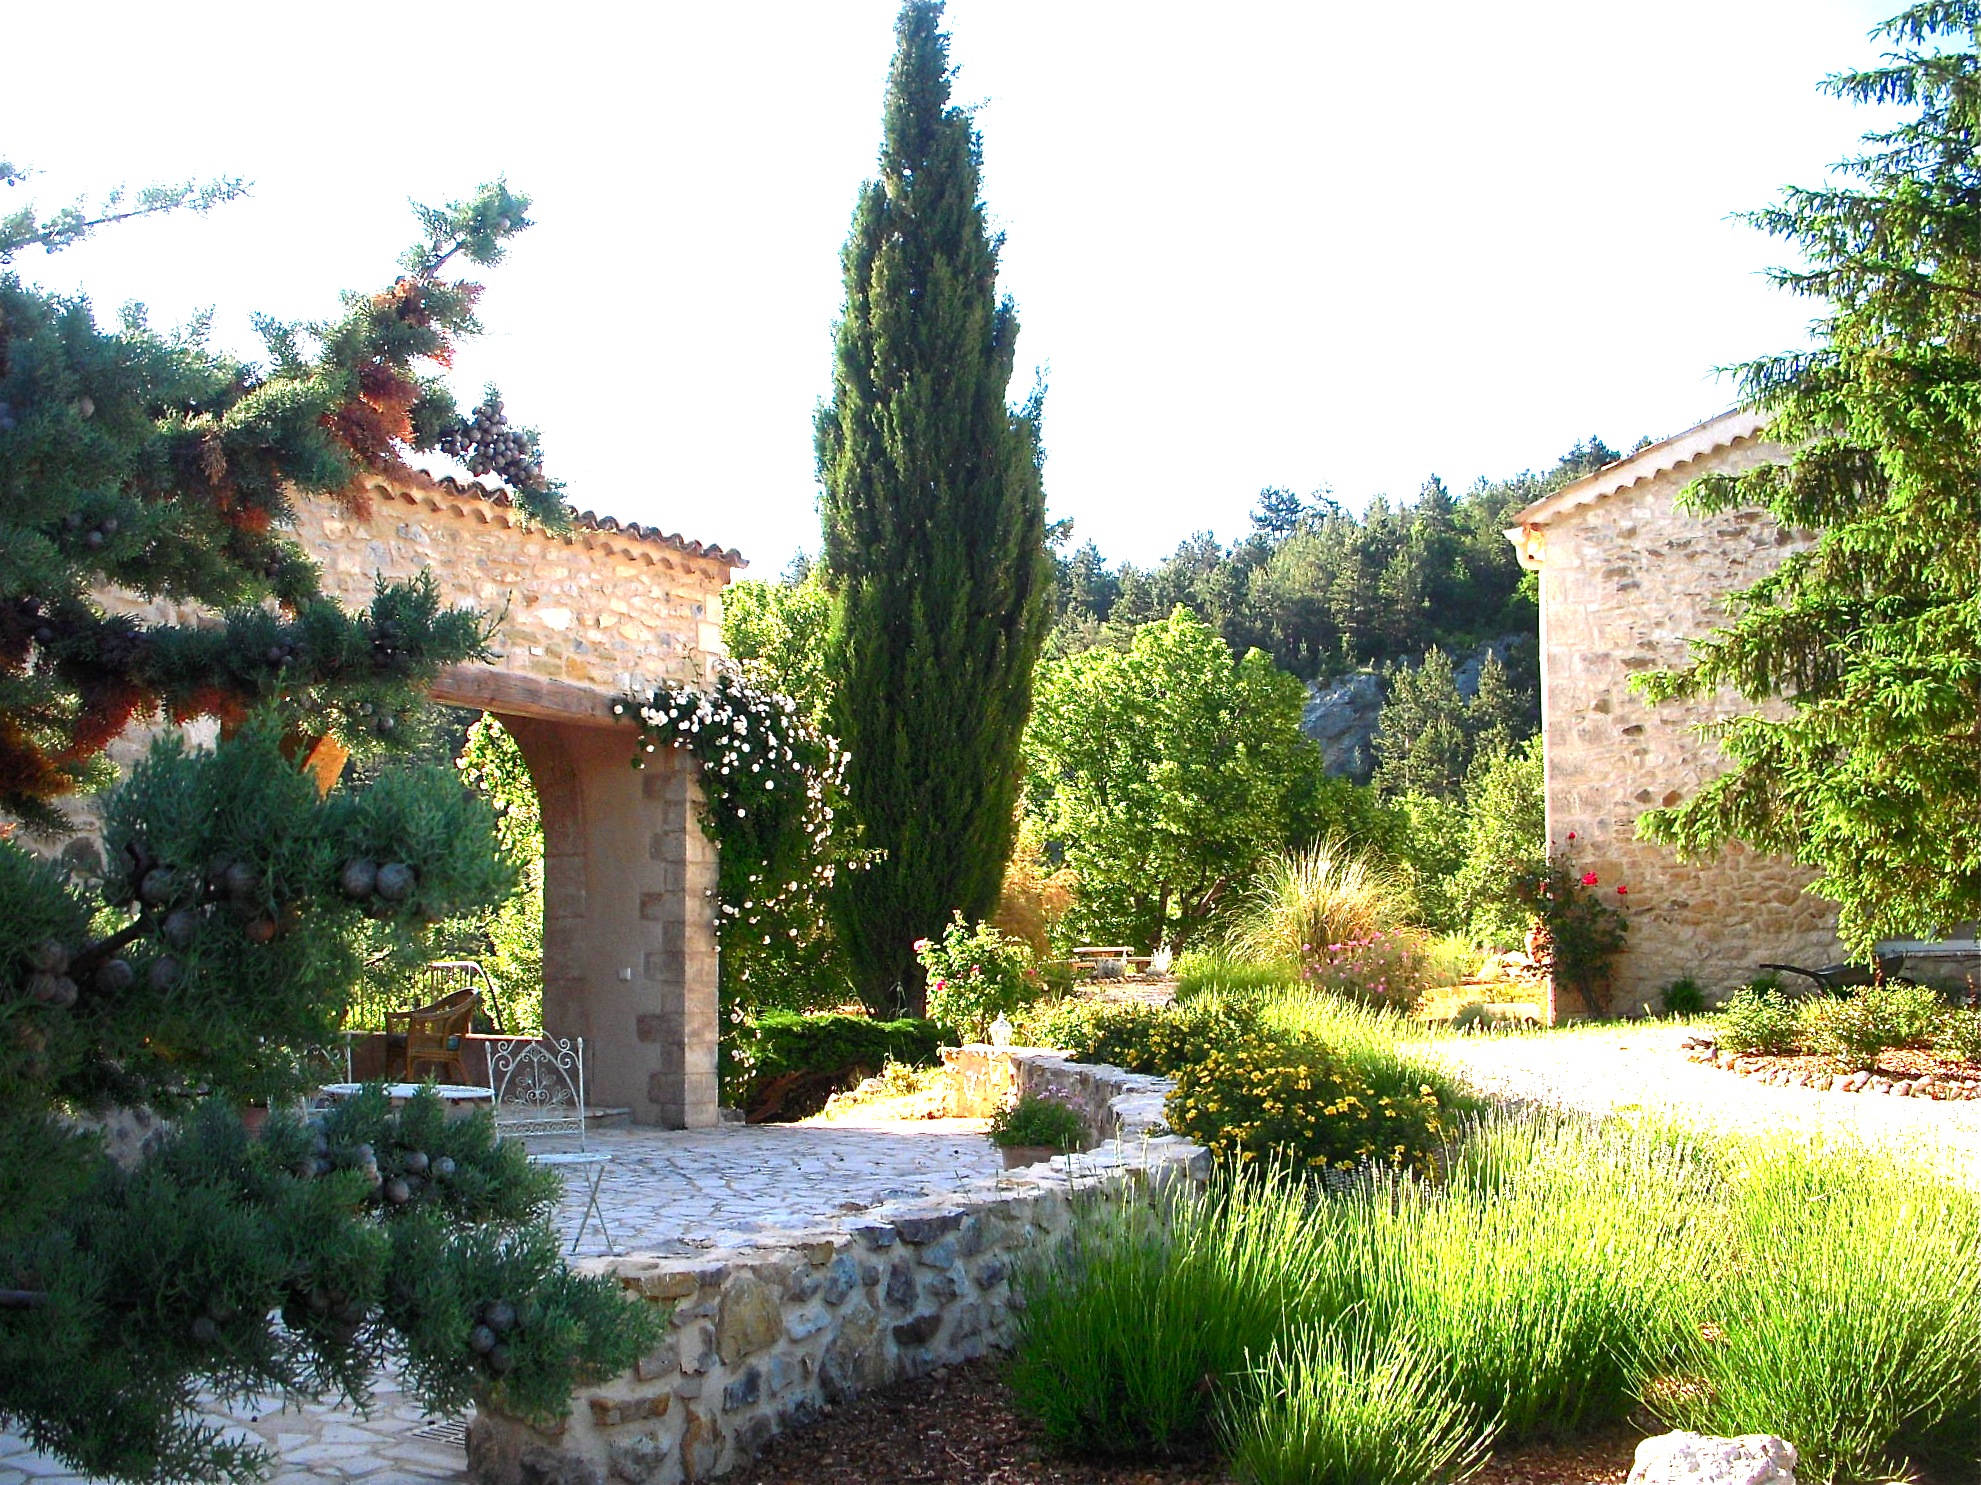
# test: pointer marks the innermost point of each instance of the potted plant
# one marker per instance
(1035, 1129)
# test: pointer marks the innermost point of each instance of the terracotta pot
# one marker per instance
(253, 1116)
(1018, 1156)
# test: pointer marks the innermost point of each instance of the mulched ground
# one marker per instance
(1895, 1064)
(959, 1425)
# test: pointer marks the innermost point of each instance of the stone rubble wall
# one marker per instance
(1626, 582)
(1112, 1104)
(593, 607)
(767, 1334)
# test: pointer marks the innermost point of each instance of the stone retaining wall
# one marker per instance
(1112, 1103)
(767, 1337)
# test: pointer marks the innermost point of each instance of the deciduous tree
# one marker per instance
(1164, 775)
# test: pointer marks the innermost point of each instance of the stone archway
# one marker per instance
(586, 617)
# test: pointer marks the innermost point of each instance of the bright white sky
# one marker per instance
(1290, 242)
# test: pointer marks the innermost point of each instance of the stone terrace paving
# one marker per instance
(667, 1192)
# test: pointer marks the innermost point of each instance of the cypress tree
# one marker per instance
(934, 517)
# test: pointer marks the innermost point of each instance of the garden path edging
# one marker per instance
(763, 1338)
(1768, 1071)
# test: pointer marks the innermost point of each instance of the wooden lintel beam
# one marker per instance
(507, 693)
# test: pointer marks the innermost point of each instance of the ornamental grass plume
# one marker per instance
(1327, 894)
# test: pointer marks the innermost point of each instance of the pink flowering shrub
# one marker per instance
(976, 973)
(1388, 967)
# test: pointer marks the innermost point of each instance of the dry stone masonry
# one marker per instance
(1112, 1104)
(1627, 580)
(764, 1337)
(607, 606)
(580, 619)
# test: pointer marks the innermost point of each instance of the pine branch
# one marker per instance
(71, 224)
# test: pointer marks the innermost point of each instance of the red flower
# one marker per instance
(1571, 835)
(1588, 879)
(1620, 891)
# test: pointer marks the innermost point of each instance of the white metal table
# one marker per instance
(460, 1098)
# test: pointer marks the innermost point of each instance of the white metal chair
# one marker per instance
(539, 1088)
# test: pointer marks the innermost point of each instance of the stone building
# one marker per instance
(1626, 580)
(580, 619)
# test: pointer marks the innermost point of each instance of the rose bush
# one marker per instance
(975, 975)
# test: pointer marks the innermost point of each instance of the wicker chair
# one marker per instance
(434, 1034)
(443, 977)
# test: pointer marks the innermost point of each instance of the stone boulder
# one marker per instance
(1701, 1459)
(1341, 716)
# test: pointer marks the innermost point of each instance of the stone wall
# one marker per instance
(606, 606)
(580, 618)
(1113, 1104)
(1626, 581)
(765, 1338)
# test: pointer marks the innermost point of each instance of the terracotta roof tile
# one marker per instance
(584, 520)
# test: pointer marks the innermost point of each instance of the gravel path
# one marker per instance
(1641, 1069)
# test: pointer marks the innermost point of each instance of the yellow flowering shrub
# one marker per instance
(1260, 1099)
(1160, 1040)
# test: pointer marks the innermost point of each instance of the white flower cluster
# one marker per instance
(757, 751)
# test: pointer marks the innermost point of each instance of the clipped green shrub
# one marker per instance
(784, 1065)
(1261, 1099)
(1758, 1018)
(1037, 1121)
(976, 975)
(1872, 1020)
(1322, 1408)
(1683, 997)
(1841, 1315)
(1958, 1035)
(1217, 972)
(1476, 1015)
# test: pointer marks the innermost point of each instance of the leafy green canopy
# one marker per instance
(934, 522)
(153, 464)
(1165, 774)
(1872, 636)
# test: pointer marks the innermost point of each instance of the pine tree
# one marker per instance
(1422, 745)
(1872, 772)
(152, 463)
(934, 521)
(1500, 714)
(1278, 513)
(207, 960)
